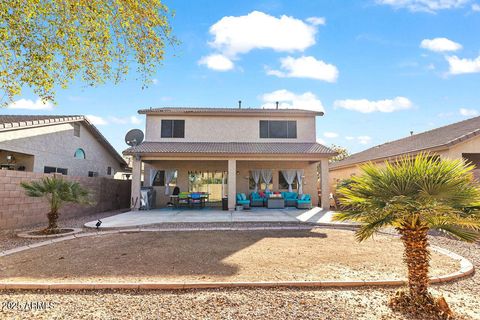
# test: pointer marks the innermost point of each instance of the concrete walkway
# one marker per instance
(208, 215)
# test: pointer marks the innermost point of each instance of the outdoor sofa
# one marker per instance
(304, 202)
(242, 200)
(256, 200)
(290, 198)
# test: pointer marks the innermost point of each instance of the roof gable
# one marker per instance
(19, 122)
(438, 138)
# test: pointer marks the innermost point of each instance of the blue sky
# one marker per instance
(379, 68)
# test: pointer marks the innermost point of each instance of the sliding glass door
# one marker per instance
(212, 182)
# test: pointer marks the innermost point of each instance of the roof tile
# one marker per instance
(437, 138)
(230, 148)
(199, 110)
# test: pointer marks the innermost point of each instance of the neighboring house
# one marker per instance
(219, 150)
(69, 145)
(454, 141)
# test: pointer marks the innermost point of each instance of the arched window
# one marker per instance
(79, 154)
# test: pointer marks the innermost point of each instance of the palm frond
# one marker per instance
(413, 191)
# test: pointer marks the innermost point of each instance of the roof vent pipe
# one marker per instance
(239, 104)
(276, 103)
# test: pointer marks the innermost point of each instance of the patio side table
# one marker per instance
(275, 203)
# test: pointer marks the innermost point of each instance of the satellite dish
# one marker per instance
(134, 137)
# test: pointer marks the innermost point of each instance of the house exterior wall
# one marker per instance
(471, 145)
(243, 168)
(18, 210)
(338, 175)
(55, 145)
(227, 128)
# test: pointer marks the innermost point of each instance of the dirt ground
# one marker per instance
(318, 254)
(245, 304)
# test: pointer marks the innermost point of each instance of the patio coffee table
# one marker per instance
(275, 203)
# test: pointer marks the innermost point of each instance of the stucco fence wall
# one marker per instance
(17, 210)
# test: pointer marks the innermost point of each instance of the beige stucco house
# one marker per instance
(69, 145)
(454, 141)
(224, 151)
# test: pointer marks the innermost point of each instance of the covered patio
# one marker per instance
(209, 215)
(228, 169)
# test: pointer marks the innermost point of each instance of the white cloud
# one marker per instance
(96, 120)
(360, 139)
(290, 100)
(257, 30)
(321, 141)
(100, 121)
(217, 62)
(440, 45)
(425, 5)
(330, 134)
(316, 21)
(306, 67)
(155, 81)
(468, 112)
(31, 105)
(135, 120)
(476, 7)
(367, 106)
(364, 139)
(461, 66)
(118, 120)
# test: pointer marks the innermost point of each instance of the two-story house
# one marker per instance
(224, 151)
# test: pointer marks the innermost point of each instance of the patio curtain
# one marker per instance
(300, 181)
(151, 175)
(267, 178)
(289, 176)
(256, 178)
(169, 175)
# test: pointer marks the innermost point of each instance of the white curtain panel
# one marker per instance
(267, 178)
(152, 174)
(169, 175)
(289, 176)
(256, 178)
(300, 181)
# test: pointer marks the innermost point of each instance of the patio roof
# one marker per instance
(244, 148)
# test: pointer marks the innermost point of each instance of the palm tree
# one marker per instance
(57, 191)
(414, 195)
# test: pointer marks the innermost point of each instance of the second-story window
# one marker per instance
(173, 128)
(275, 129)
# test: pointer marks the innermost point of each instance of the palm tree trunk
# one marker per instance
(52, 220)
(417, 258)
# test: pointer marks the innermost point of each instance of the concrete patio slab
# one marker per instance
(315, 215)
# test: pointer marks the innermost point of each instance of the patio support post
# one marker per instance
(232, 183)
(136, 182)
(325, 185)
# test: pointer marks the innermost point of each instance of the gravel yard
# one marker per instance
(267, 255)
(9, 240)
(324, 303)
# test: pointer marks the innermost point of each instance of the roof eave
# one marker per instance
(339, 165)
(243, 112)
